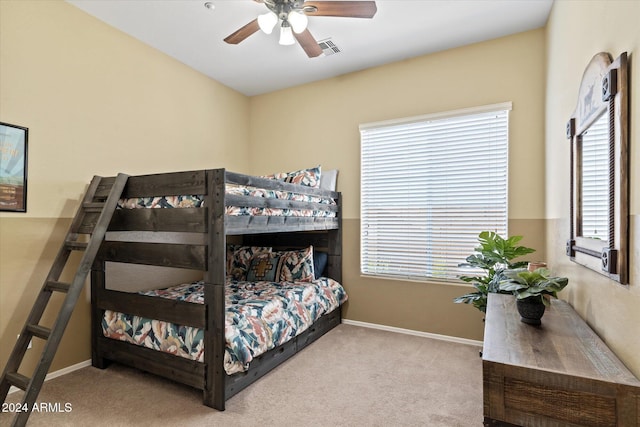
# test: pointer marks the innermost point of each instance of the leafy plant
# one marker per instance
(525, 284)
(494, 256)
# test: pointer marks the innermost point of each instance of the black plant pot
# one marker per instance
(531, 310)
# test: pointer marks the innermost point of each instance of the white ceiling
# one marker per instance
(189, 32)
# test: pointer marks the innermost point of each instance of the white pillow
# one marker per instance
(329, 179)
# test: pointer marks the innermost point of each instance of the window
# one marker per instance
(429, 186)
(595, 180)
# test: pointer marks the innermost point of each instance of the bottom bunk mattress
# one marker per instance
(259, 316)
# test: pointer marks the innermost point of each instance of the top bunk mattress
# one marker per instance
(325, 207)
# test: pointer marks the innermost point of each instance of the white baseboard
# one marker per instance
(412, 332)
(60, 372)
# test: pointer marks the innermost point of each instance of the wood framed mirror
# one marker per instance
(598, 130)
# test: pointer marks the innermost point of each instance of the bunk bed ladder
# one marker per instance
(86, 233)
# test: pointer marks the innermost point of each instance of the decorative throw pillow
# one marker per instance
(309, 177)
(238, 258)
(329, 180)
(319, 263)
(289, 266)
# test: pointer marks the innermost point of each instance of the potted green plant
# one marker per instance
(494, 255)
(532, 290)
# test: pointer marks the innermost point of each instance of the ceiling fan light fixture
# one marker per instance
(298, 21)
(267, 22)
(286, 34)
(292, 16)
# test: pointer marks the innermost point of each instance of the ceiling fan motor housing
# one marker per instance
(282, 8)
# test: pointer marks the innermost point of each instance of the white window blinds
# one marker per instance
(595, 180)
(429, 186)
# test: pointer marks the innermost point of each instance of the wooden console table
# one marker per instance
(556, 374)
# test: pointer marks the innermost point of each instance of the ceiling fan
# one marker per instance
(292, 16)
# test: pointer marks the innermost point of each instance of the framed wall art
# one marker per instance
(13, 167)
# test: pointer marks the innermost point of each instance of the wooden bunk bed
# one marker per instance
(212, 225)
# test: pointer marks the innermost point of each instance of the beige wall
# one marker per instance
(318, 124)
(575, 32)
(96, 102)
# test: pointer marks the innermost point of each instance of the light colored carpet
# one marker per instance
(353, 376)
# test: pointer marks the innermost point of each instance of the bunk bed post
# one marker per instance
(98, 282)
(214, 299)
(334, 268)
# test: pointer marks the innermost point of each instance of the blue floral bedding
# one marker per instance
(259, 317)
(196, 201)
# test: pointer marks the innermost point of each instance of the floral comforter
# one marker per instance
(196, 201)
(259, 317)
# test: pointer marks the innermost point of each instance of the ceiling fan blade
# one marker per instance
(243, 32)
(348, 9)
(308, 43)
